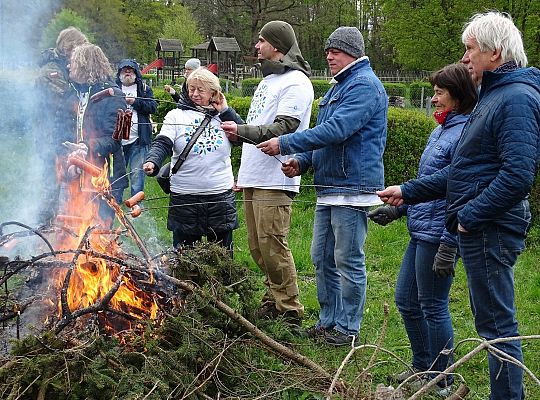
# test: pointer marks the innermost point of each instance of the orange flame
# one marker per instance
(92, 278)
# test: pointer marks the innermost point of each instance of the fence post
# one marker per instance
(422, 98)
(428, 106)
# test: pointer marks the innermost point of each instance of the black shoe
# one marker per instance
(336, 338)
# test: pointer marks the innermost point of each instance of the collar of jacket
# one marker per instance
(454, 118)
(349, 69)
(492, 79)
(185, 103)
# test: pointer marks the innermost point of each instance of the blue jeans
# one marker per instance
(337, 252)
(422, 299)
(135, 155)
(489, 258)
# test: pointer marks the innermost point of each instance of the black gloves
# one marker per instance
(444, 262)
(384, 215)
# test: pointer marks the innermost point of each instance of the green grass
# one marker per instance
(384, 249)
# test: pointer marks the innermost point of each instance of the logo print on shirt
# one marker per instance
(209, 141)
(258, 102)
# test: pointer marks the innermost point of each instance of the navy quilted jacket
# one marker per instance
(496, 160)
(426, 220)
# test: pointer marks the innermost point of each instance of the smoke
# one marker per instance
(21, 141)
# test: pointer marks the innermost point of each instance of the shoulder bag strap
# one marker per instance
(191, 143)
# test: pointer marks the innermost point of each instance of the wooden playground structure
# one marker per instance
(221, 55)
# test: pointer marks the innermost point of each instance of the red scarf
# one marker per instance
(440, 116)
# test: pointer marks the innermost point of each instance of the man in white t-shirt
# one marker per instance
(281, 104)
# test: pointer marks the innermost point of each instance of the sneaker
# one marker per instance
(403, 375)
(336, 338)
(416, 384)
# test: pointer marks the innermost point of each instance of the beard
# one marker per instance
(127, 80)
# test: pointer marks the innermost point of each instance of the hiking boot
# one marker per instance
(314, 332)
(336, 338)
(268, 311)
(403, 375)
(291, 318)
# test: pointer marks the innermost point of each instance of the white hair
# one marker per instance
(496, 31)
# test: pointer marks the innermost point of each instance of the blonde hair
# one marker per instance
(92, 64)
(207, 79)
(68, 39)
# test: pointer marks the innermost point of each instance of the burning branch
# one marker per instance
(100, 305)
(66, 312)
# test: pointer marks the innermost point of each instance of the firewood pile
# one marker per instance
(195, 345)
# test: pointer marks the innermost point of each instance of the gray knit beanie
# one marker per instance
(347, 39)
(192, 63)
(280, 35)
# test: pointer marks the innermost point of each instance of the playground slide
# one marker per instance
(157, 63)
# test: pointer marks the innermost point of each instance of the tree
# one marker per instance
(427, 34)
(64, 19)
(242, 19)
(181, 25)
(108, 22)
(144, 24)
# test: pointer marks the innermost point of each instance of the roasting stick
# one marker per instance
(95, 171)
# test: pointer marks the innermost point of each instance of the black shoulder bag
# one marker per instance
(164, 175)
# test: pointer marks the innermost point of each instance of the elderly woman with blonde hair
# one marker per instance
(202, 202)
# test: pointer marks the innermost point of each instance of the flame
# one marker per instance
(92, 278)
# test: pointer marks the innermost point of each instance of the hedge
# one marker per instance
(395, 89)
(249, 85)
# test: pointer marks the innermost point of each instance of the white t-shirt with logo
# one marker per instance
(288, 94)
(131, 91)
(207, 168)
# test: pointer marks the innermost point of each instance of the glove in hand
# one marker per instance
(384, 215)
(444, 262)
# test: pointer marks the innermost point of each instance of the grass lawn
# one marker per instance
(384, 249)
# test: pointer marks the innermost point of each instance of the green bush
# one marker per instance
(415, 92)
(240, 105)
(407, 135)
(249, 85)
(165, 103)
(314, 112)
(395, 89)
(320, 87)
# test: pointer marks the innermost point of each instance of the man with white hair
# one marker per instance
(487, 185)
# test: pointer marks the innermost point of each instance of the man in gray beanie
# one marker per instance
(345, 149)
(281, 104)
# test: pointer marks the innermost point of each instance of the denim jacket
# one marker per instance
(346, 146)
